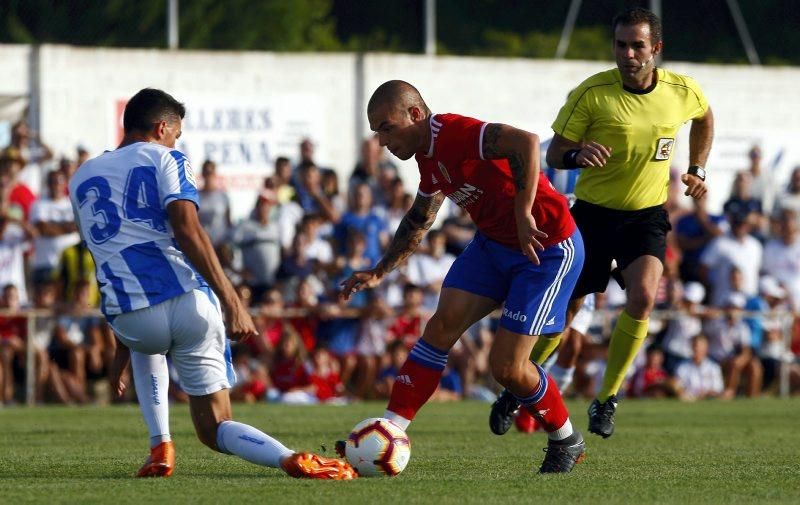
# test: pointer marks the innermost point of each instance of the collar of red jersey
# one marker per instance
(434, 127)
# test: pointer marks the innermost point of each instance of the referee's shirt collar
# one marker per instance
(645, 90)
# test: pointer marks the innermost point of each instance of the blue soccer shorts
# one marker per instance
(536, 297)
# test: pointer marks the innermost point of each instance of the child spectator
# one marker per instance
(699, 378)
(305, 319)
(677, 341)
(411, 318)
(651, 381)
(397, 353)
(288, 372)
(324, 374)
(371, 344)
(252, 376)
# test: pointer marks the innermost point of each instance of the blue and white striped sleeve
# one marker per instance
(176, 179)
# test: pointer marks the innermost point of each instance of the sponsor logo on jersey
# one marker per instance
(664, 148)
(465, 195)
(551, 321)
(516, 316)
(434, 179)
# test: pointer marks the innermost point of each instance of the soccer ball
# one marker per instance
(377, 446)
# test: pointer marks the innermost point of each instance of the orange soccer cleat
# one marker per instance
(160, 463)
(311, 466)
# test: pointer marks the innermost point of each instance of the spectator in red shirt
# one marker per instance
(307, 320)
(325, 376)
(651, 381)
(411, 318)
(288, 373)
(270, 326)
(21, 196)
(13, 331)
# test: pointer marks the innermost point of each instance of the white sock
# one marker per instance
(397, 419)
(250, 444)
(562, 376)
(151, 376)
(561, 433)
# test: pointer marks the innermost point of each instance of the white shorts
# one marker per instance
(583, 319)
(190, 328)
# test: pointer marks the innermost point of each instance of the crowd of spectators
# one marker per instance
(305, 234)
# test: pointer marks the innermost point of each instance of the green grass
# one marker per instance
(662, 452)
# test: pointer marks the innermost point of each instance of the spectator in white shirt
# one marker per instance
(318, 249)
(699, 377)
(428, 269)
(15, 236)
(737, 249)
(782, 255)
(677, 343)
(259, 240)
(790, 198)
(52, 217)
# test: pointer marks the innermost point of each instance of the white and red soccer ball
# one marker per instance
(376, 447)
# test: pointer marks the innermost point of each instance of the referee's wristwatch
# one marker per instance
(697, 171)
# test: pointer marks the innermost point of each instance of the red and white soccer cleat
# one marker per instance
(305, 465)
(160, 463)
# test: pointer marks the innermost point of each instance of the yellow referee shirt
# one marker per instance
(640, 127)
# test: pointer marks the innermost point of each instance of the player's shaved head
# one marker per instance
(398, 94)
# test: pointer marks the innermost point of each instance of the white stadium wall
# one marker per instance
(14, 86)
(247, 108)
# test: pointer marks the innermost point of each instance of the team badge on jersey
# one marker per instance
(664, 148)
(446, 175)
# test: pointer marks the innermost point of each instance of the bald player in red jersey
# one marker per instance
(525, 257)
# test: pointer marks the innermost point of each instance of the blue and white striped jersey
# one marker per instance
(120, 202)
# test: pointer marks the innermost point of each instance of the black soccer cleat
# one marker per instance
(560, 456)
(601, 416)
(502, 415)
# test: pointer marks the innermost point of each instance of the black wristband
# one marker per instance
(570, 159)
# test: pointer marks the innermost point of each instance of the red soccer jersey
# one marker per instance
(485, 188)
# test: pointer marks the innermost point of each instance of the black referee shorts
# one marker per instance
(621, 235)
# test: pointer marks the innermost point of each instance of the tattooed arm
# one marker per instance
(407, 238)
(521, 149)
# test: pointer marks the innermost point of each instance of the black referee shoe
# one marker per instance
(601, 416)
(502, 415)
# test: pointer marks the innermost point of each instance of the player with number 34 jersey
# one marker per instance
(141, 266)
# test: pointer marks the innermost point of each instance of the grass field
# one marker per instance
(663, 452)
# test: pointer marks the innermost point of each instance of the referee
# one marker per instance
(619, 127)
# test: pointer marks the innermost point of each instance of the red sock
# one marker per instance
(413, 386)
(550, 410)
